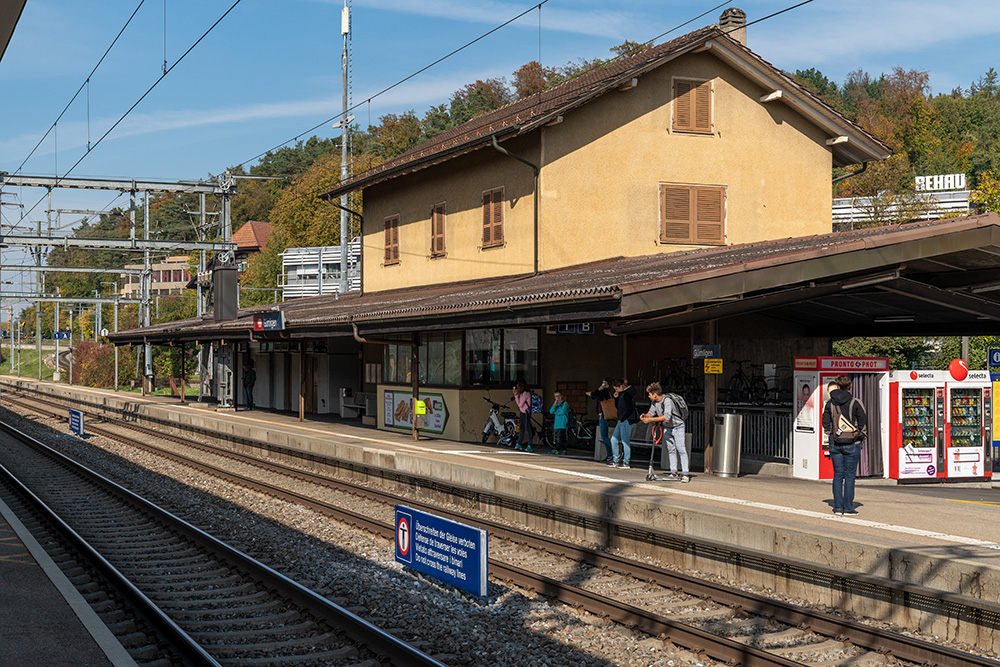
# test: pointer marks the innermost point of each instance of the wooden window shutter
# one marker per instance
(692, 105)
(676, 214)
(691, 214)
(710, 207)
(493, 217)
(392, 240)
(437, 229)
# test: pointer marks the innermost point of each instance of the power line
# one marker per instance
(619, 57)
(86, 83)
(137, 102)
(398, 83)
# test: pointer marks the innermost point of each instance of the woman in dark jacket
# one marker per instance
(602, 394)
(625, 404)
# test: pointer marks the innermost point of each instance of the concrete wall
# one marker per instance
(599, 185)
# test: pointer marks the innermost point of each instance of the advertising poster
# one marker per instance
(917, 463)
(398, 407)
(805, 404)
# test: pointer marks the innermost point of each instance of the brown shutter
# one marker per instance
(682, 105)
(388, 240)
(493, 218)
(675, 213)
(498, 216)
(437, 230)
(487, 219)
(703, 108)
(710, 214)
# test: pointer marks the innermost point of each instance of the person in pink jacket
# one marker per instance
(523, 399)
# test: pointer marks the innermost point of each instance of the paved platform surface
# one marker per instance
(44, 621)
(945, 537)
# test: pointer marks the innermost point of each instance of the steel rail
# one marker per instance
(372, 636)
(862, 635)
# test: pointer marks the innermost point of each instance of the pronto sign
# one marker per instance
(447, 550)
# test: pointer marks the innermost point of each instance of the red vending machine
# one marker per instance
(940, 425)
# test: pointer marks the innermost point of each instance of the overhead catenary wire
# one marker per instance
(368, 100)
(137, 102)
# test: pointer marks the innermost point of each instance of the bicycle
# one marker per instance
(506, 430)
(579, 430)
(746, 388)
(681, 379)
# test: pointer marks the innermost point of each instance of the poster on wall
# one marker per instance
(917, 463)
(398, 408)
(805, 408)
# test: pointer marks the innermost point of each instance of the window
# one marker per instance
(439, 360)
(692, 105)
(501, 356)
(392, 240)
(493, 218)
(437, 230)
(692, 214)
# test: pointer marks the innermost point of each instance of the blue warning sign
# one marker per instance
(447, 550)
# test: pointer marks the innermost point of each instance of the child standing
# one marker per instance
(561, 411)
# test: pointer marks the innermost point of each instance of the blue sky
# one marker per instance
(271, 70)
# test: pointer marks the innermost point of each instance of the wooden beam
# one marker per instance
(771, 96)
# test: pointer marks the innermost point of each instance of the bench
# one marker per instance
(352, 405)
(641, 436)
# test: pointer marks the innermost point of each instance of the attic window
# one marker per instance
(692, 105)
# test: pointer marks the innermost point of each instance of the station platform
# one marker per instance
(943, 537)
(44, 621)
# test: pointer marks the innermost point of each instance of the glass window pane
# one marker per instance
(483, 356)
(520, 358)
(389, 364)
(435, 359)
(422, 358)
(403, 359)
(453, 360)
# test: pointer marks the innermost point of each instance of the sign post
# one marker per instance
(447, 550)
(76, 422)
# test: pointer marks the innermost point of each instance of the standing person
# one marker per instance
(662, 410)
(605, 413)
(523, 399)
(625, 406)
(249, 379)
(845, 420)
(560, 409)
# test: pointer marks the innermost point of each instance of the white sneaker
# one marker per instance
(685, 479)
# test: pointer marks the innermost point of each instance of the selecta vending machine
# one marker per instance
(940, 424)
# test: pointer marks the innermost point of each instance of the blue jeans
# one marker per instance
(604, 436)
(845, 458)
(622, 434)
(676, 445)
(248, 396)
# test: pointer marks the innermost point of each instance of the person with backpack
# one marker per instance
(522, 396)
(846, 422)
(671, 411)
(625, 406)
(606, 411)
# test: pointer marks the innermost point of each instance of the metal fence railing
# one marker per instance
(766, 432)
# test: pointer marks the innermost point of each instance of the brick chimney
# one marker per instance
(733, 22)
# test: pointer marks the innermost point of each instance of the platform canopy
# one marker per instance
(10, 12)
(928, 278)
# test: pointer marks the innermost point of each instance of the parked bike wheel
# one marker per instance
(737, 391)
(509, 435)
(487, 433)
(758, 390)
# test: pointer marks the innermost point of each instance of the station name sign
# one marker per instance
(272, 321)
(447, 550)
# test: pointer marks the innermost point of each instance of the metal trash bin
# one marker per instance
(726, 445)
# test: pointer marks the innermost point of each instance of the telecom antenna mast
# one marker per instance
(345, 31)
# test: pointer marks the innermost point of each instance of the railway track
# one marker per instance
(213, 604)
(724, 623)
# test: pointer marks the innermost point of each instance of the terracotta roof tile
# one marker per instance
(253, 234)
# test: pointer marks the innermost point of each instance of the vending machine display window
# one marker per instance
(918, 418)
(966, 417)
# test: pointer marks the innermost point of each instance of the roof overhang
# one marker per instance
(934, 278)
(848, 142)
(10, 12)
